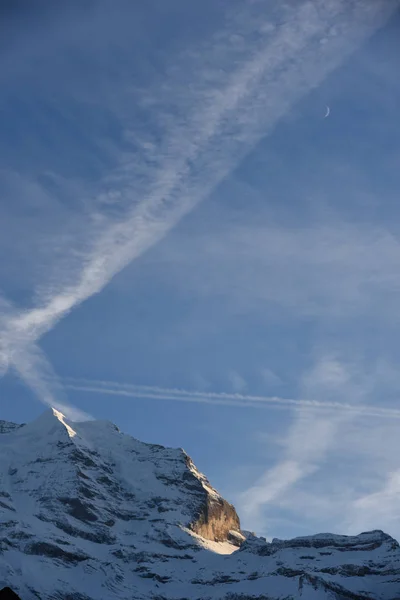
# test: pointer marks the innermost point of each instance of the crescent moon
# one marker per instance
(328, 112)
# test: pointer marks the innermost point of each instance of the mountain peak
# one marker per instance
(52, 423)
(47, 425)
(89, 512)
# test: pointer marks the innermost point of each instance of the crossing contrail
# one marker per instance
(219, 124)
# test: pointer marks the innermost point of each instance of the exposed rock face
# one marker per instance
(88, 513)
(7, 594)
(215, 518)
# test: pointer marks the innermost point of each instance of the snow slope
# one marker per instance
(89, 513)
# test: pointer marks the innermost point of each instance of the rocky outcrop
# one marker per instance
(7, 594)
(216, 521)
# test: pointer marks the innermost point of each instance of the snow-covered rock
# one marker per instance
(7, 427)
(88, 513)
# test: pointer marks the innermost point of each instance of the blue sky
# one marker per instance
(192, 251)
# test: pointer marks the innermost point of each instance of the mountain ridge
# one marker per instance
(87, 512)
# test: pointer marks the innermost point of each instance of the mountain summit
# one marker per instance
(89, 513)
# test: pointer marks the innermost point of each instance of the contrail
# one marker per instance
(223, 398)
(202, 147)
(31, 364)
(257, 94)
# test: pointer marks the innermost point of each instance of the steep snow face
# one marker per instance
(99, 476)
(87, 512)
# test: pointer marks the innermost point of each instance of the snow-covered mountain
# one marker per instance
(88, 513)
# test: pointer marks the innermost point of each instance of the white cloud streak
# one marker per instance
(356, 460)
(381, 505)
(305, 448)
(37, 373)
(31, 364)
(200, 149)
(113, 388)
(237, 382)
(311, 435)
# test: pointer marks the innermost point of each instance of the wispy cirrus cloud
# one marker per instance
(205, 131)
(236, 381)
(304, 450)
(333, 468)
(379, 505)
(331, 269)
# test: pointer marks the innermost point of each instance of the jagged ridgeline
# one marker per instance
(89, 513)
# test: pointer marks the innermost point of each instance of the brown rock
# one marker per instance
(216, 520)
